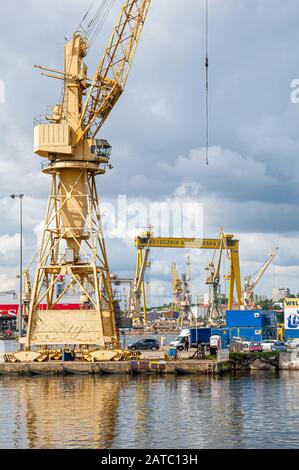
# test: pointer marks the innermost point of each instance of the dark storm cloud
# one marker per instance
(157, 129)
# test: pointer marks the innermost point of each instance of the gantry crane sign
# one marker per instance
(147, 240)
(72, 243)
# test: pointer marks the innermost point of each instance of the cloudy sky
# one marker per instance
(158, 130)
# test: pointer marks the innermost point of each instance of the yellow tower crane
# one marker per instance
(73, 243)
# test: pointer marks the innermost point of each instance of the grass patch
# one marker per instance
(211, 357)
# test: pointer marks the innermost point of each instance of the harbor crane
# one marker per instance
(73, 242)
(177, 287)
(147, 240)
(215, 314)
(251, 281)
(181, 291)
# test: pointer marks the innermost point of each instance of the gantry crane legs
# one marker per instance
(139, 295)
(73, 242)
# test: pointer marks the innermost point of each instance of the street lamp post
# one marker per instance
(20, 312)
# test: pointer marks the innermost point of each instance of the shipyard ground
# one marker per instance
(155, 363)
(149, 362)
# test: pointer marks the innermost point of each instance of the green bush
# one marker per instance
(211, 357)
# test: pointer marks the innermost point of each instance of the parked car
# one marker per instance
(255, 347)
(267, 344)
(145, 344)
(279, 346)
(292, 343)
(245, 343)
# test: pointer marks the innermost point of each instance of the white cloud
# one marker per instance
(9, 245)
(6, 283)
(159, 267)
(229, 172)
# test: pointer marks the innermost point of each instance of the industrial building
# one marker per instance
(280, 293)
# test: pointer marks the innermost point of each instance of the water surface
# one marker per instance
(253, 410)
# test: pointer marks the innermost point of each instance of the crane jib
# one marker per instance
(112, 73)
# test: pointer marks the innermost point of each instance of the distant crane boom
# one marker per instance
(9, 292)
(250, 284)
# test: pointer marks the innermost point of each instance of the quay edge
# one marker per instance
(160, 367)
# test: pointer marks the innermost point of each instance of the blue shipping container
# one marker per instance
(200, 335)
(250, 318)
(269, 332)
(269, 318)
(252, 334)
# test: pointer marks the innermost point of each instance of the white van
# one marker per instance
(179, 342)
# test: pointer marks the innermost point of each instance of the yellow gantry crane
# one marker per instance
(147, 240)
(73, 243)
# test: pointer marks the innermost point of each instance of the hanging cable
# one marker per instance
(85, 16)
(97, 17)
(94, 19)
(96, 30)
(207, 81)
